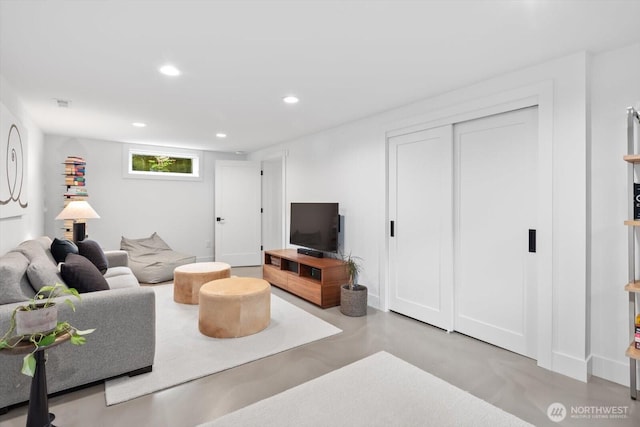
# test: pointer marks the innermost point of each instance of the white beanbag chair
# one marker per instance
(152, 260)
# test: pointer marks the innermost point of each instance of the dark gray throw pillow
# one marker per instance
(80, 273)
(91, 250)
(60, 248)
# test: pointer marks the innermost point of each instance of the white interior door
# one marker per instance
(496, 206)
(237, 211)
(420, 210)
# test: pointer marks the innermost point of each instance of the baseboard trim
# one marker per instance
(570, 366)
(611, 370)
(373, 301)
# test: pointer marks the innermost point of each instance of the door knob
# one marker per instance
(219, 219)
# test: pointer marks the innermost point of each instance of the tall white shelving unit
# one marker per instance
(633, 224)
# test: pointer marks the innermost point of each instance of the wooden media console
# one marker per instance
(316, 280)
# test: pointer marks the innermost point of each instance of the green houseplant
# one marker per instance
(41, 305)
(353, 297)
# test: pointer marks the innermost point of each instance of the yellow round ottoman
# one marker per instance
(234, 307)
(188, 278)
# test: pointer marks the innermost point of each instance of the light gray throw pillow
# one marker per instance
(14, 283)
(42, 272)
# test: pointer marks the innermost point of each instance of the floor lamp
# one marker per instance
(78, 210)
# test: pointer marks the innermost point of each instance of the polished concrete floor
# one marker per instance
(509, 381)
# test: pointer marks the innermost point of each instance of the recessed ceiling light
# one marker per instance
(138, 124)
(291, 99)
(221, 135)
(170, 70)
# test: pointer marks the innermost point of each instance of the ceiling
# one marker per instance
(344, 59)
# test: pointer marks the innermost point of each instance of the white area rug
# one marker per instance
(380, 390)
(184, 354)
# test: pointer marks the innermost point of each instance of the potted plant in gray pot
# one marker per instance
(37, 323)
(353, 297)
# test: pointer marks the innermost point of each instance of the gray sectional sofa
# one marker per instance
(124, 318)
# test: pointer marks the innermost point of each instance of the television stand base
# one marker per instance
(311, 252)
(317, 280)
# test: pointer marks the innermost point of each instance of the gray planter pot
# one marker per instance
(33, 321)
(353, 302)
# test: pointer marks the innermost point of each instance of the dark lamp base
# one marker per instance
(79, 231)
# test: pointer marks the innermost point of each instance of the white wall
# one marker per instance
(30, 224)
(614, 87)
(181, 212)
(348, 164)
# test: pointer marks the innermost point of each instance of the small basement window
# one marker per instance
(158, 163)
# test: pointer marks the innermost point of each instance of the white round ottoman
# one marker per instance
(234, 307)
(188, 278)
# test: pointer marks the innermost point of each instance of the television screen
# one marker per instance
(314, 226)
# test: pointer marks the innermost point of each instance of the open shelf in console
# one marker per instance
(311, 273)
(317, 280)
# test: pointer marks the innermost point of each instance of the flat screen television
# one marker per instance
(314, 226)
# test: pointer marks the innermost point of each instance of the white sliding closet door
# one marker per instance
(420, 209)
(496, 206)
(463, 204)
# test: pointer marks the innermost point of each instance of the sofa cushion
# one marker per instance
(81, 274)
(43, 272)
(31, 249)
(44, 241)
(14, 282)
(60, 248)
(36, 248)
(117, 258)
(91, 250)
(121, 277)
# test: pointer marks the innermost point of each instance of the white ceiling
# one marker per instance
(344, 59)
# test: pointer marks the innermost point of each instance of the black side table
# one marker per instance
(38, 415)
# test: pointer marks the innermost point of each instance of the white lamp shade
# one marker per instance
(78, 209)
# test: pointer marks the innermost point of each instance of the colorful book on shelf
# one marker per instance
(73, 170)
(74, 178)
(636, 201)
(77, 194)
(71, 159)
(76, 190)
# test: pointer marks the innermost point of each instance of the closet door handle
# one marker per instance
(532, 241)
(392, 228)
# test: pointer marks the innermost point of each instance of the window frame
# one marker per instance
(128, 151)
